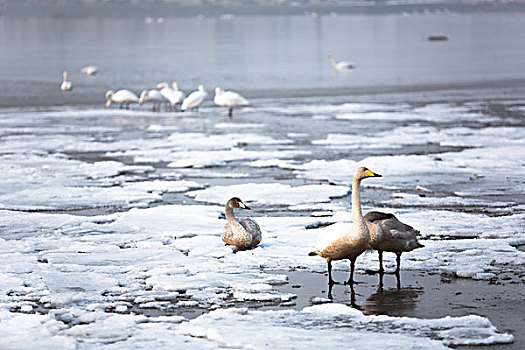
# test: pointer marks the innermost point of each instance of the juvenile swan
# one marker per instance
(350, 239)
(388, 234)
(242, 234)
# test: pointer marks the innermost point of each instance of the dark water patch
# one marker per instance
(421, 295)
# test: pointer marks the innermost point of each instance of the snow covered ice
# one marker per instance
(111, 233)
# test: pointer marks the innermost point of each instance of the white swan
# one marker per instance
(229, 99)
(242, 234)
(123, 97)
(66, 85)
(388, 234)
(346, 240)
(172, 94)
(90, 70)
(343, 65)
(194, 100)
(153, 96)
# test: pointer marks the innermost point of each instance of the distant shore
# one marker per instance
(171, 10)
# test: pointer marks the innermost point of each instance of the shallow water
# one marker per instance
(260, 56)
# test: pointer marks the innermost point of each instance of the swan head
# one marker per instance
(201, 88)
(142, 97)
(175, 86)
(236, 202)
(362, 173)
(162, 85)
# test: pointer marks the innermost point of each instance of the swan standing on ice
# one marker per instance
(229, 99)
(242, 234)
(90, 70)
(173, 94)
(123, 97)
(66, 85)
(152, 96)
(388, 234)
(194, 100)
(346, 240)
(343, 65)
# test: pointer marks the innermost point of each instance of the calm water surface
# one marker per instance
(259, 54)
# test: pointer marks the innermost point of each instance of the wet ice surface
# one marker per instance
(111, 219)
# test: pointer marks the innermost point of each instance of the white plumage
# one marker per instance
(229, 99)
(123, 97)
(153, 96)
(172, 94)
(90, 70)
(194, 100)
(342, 65)
(66, 85)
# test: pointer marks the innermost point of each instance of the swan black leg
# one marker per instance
(330, 280)
(230, 113)
(398, 260)
(381, 270)
(352, 266)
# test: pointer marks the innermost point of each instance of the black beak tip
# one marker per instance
(247, 207)
(379, 175)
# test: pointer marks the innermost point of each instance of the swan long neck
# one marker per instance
(64, 76)
(359, 224)
(232, 220)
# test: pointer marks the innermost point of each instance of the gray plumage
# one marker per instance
(388, 234)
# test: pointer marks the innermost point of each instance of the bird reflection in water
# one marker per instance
(390, 301)
(394, 301)
(352, 294)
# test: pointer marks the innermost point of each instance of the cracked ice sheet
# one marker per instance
(336, 326)
(270, 193)
(58, 183)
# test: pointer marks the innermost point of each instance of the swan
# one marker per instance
(172, 94)
(346, 240)
(388, 234)
(153, 96)
(242, 234)
(343, 65)
(229, 99)
(194, 100)
(66, 85)
(123, 97)
(90, 70)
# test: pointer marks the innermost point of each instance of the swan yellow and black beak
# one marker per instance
(244, 206)
(372, 174)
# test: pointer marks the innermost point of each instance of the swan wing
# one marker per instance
(328, 234)
(193, 100)
(253, 229)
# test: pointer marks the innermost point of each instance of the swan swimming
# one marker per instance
(229, 99)
(153, 96)
(343, 65)
(242, 234)
(66, 85)
(194, 100)
(123, 97)
(388, 234)
(346, 240)
(90, 70)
